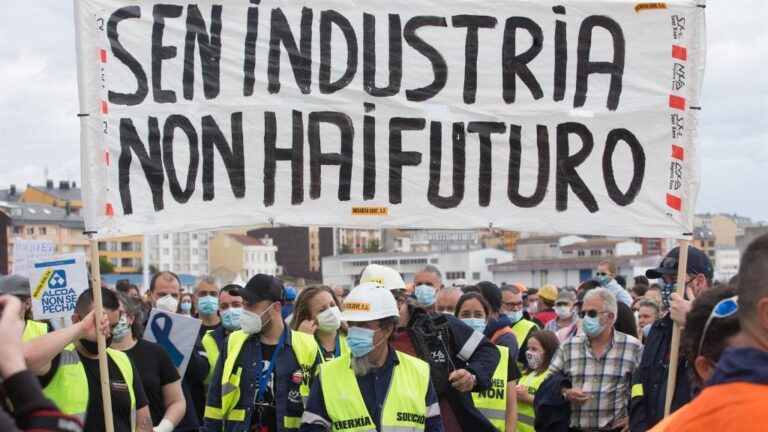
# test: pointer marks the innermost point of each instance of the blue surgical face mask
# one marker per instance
(208, 305)
(425, 295)
(514, 316)
(477, 324)
(360, 341)
(230, 318)
(646, 330)
(591, 326)
(186, 306)
(121, 329)
(603, 280)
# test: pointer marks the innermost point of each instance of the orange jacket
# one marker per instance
(738, 406)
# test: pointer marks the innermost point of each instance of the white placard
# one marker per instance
(176, 333)
(55, 284)
(544, 116)
(25, 251)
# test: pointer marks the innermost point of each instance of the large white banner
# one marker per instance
(578, 116)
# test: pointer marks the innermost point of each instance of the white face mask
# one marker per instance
(563, 312)
(329, 320)
(167, 303)
(251, 322)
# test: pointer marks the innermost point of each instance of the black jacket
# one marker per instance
(553, 412)
(448, 344)
(649, 382)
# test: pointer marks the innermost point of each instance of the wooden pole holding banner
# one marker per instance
(682, 265)
(98, 306)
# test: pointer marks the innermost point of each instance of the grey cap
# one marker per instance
(15, 285)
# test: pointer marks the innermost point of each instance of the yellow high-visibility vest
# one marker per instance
(525, 413)
(492, 403)
(34, 329)
(306, 351)
(403, 410)
(68, 388)
(212, 351)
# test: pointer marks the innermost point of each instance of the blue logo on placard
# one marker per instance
(58, 279)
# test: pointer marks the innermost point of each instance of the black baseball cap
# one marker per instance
(698, 263)
(263, 287)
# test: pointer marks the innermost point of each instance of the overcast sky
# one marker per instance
(38, 101)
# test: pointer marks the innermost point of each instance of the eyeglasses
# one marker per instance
(591, 313)
(601, 274)
(723, 309)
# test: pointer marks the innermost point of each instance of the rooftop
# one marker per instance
(592, 244)
(65, 190)
(247, 240)
(42, 214)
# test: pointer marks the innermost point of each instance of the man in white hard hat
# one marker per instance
(373, 387)
(461, 360)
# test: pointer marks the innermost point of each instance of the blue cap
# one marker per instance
(698, 263)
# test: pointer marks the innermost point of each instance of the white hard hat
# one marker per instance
(368, 302)
(383, 275)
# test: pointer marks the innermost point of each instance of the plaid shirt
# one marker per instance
(605, 380)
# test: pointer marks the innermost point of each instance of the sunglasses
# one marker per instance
(723, 309)
(601, 274)
(590, 313)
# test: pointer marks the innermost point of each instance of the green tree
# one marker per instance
(345, 249)
(105, 267)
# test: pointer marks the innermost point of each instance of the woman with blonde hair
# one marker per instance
(317, 312)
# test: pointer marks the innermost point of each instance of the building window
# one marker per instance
(18, 230)
(580, 253)
(475, 275)
(30, 230)
(42, 230)
(166, 251)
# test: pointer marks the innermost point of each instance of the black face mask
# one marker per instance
(92, 347)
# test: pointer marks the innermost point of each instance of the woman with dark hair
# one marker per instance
(159, 377)
(187, 305)
(542, 346)
(317, 312)
(473, 310)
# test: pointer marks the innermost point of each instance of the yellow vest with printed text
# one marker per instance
(492, 403)
(404, 408)
(525, 414)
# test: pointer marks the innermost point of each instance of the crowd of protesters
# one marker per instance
(396, 355)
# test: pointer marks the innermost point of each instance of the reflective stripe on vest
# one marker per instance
(637, 391)
(304, 348)
(403, 409)
(212, 351)
(525, 413)
(68, 388)
(34, 329)
(492, 403)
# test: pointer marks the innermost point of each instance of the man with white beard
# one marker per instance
(372, 387)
